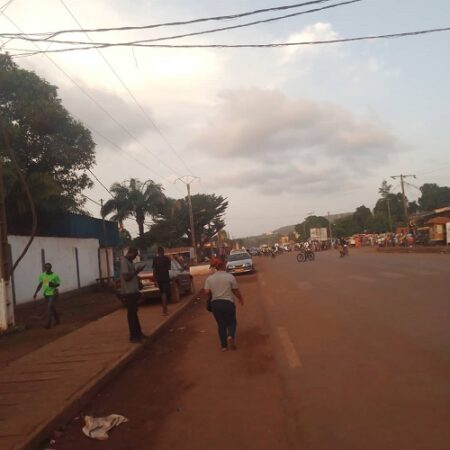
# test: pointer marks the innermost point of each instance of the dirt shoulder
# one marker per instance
(75, 311)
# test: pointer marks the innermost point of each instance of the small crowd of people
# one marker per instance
(221, 288)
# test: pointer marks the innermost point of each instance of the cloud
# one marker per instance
(292, 143)
(319, 31)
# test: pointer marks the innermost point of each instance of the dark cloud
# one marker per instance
(120, 107)
(290, 144)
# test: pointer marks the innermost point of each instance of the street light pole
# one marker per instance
(188, 180)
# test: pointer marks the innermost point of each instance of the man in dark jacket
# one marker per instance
(161, 267)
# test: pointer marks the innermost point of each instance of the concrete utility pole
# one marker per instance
(105, 240)
(6, 306)
(329, 227)
(188, 180)
(405, 202)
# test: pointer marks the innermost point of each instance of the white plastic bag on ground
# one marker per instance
(98, 427)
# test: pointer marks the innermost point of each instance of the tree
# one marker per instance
(303, 229)
(137, 199)
(52, 149)
(361, 217)
(434, 197)
(172, 227)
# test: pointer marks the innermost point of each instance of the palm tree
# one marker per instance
(137, 199)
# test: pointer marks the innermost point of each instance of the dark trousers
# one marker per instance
(51, 310)
(164, 289)
(131, 301)
(224, 312)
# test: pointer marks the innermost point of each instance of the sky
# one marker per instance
(280, 132)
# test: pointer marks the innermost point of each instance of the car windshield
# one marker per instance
(238, 256)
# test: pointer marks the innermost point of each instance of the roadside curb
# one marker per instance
(82, 397)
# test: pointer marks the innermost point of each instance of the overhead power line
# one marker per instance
(138, 104)
(185, 22)
(93, 100)
(195, 33)
(100, 183)
(99, 105)
(272, 45)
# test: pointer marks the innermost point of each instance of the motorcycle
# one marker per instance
(306, 255)
(344, 251)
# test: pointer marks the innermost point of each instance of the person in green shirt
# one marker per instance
(50, 282)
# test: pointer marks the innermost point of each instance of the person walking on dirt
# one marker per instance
(222, 287)
(50, 281)
(129, 290)
(161, 267)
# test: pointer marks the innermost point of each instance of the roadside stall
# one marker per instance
(438, 229)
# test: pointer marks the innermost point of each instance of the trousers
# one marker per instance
(131, 301)
(51, 310)
(224, 312)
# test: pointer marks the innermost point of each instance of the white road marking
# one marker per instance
(362, 278)
(394, 275)
(289, 349)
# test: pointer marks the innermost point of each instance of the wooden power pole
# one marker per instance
(188, 180)
(405, 201)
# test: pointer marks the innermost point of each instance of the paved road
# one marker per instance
(336, 354)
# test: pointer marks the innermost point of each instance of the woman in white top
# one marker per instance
(222, 287)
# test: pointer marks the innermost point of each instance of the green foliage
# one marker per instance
(362, 217)
(303, 229)
(137, 199)
(172, 227)
(52, 149)
(434, 197)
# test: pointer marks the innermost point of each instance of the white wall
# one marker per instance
(60, 252)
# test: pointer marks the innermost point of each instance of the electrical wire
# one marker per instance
(100, 183)
(195, 33)
(90, 199)
(141, 108)
(271, 45)
(186, 22)
(99, 105)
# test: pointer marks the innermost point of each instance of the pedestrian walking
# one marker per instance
(161, 267)
(49, 281)
(129, 290)
(223, 287)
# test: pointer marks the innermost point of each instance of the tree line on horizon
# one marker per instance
(386, 216)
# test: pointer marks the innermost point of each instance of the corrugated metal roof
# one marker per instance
(438, 220)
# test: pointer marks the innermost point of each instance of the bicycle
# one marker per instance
(306, 255)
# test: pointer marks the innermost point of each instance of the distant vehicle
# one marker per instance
(181, 280)
(352, 241)
(239, 262)
(254, 251)
(305, 255)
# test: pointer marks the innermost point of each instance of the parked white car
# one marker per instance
(239, 262)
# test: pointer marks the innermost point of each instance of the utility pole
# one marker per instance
(105, 240)
(6, 306)
(188, 180)
(389, 213)
(329, 227)
(405, 202)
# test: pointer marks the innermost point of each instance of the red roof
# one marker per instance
(439, 220)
